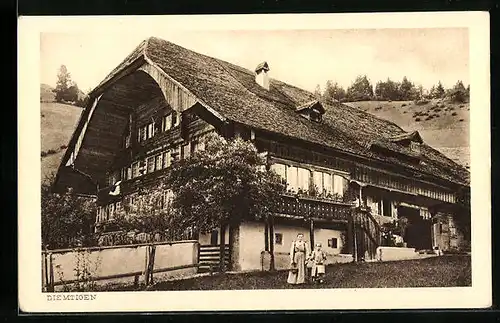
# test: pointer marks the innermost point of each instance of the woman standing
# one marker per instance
(298, 256)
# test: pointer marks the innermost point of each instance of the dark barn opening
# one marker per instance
(418, 231)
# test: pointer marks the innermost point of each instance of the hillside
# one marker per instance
(442, 125)
(57, 124)
(46, 94)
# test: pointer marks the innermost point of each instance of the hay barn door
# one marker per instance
(418, 233)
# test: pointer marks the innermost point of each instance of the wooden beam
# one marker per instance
(266, 236)
(222, 248)
(271, 240)
(311, 233)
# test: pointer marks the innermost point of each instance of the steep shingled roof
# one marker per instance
(231, 91)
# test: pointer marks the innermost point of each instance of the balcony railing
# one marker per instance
(314, 208)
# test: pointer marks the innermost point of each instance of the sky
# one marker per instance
(304, 58)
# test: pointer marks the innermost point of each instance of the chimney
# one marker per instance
(261, 76)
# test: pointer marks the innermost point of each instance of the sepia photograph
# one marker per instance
(256, 159)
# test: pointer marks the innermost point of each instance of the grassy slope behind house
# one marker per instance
(58, 122)
(447, 131)
(446, 271)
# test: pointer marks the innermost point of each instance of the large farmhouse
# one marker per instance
(160, 102)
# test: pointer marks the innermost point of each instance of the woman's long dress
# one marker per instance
(298, 252)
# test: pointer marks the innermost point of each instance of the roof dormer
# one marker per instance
(411, 140)
(313, 111)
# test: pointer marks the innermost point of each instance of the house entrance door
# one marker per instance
(418, 232)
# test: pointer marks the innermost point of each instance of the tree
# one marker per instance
(333, 92)
(420, 92)
(222, 185)
(459, 93)
(361, 89)
(388, 90)
(66, 90)
(437, 92)
(317, 92)
(67, 219)
(407, 90)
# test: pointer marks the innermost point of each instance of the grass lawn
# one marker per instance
(446, 271)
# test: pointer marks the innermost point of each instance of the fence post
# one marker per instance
(152, 263)
(50, 287)
(146, 265)
(44, 271)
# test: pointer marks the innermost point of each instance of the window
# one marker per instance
(318, 181)
(175, 119)
(386, 207)
(135, 170)
(291, 178)
(166, 159)
(303, 178)
(111, 210)
(333, 243)
(278, 238)
(186, 149)
(127, 140)
(158, 162)
(144, 133)
(415, 146)
(166, 123)
(327, 183)
(150, 164)
(279, 169)
(314, 115)
(151, 130)
(338, 185)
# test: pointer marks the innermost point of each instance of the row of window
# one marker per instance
(303, 179)
(157, 162)
(108, 212)
(148, 131)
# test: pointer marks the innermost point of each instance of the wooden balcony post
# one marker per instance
(222, 250)
(271, 242)
(266, 236)
(311, 233)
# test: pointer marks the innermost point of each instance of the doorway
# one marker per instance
(418, 231)
(214, 237)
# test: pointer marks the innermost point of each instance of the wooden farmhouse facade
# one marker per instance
(162, 100)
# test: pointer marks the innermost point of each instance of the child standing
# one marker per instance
(318, 258)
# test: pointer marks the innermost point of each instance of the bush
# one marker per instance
(454, 114)
(405, 111)
(421, 102)
(63, 147)
(44, 153)
(43, 115)
(429, 118)
(461, 120)
(378, 108)
(417, 119)
(403, 105)
(51, 152)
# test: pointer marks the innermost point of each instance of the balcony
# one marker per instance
(304, 206)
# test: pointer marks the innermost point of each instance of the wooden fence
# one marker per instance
(138, 263)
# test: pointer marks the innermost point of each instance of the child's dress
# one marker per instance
(318, 257)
